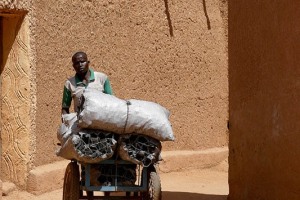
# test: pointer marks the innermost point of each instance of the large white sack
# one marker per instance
(69, 134)
(74, 148)
(103, 111)
(139, 149)
(107, 112)
(68, 151)
(149, 118)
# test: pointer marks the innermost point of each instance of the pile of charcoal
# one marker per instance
(139, 149)
(93, 144)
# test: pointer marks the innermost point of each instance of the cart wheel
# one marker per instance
(154, 187)
(71, 189)
(90, 195)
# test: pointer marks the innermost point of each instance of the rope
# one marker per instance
(127, 104)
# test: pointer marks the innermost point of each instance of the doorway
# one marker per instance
(15, 97)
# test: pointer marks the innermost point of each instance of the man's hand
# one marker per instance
(63, 112)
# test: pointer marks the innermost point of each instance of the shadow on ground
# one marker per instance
(191, 196)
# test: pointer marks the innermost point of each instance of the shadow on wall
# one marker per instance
(191, 196)
(10, 26)
(206, 15)
(167, 11)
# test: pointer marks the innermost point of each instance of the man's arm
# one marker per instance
(66, 101)
(107, 87)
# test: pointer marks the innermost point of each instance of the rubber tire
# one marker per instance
(90, 195)
(154, 187)
(71, 189)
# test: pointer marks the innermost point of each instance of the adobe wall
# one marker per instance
(17, 95)
(264, 98)
(170, 52)
(176, 58)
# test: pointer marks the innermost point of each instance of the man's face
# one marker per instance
(80, 64)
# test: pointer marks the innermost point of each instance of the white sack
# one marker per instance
(103, 111)
(149, 118)
(71, 148)
(138, 149)
(109, 113)
(68, 134)
(68, 151)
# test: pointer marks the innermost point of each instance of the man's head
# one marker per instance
(80, 63)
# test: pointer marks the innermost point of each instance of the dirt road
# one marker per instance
(195, 185)
(208, 184)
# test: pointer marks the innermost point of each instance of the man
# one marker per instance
(84, 78)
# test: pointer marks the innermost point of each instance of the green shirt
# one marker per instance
(75, 86)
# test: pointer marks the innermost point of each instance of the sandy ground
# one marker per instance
(208, 184)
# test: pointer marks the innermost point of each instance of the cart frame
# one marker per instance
(87, 186)
(149, 188)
